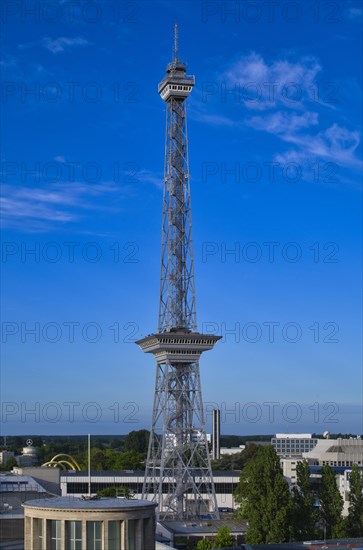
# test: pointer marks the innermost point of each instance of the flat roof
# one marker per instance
(293, 436)
(135, 473)
(70, 503)
(210, 526)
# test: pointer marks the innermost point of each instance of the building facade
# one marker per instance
(336, 452)
(5, 455)
(293, 444)
(76, 484)
(63, 523)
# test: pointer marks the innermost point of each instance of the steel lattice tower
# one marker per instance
(178, 472)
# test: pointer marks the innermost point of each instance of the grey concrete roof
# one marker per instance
(136, 473)
(69, 503)
(204, 527)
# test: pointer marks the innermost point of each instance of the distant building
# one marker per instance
(293, 444)
(109, 523)
(28, 456)
(344, 488)
(336, 452)
(48, 478)
(5, 455)
(232, 450)
(192, 531)
(216, 433)
(14, 490)
(289, 469)
(76, 484)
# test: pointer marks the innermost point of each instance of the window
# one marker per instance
(55, 534)
(145, 525)
(74, 535)
(39, 534)
(114, 535)
(94, 535)
(131, 530)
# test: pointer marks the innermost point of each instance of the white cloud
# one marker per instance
(146, 176)
(282, 122)
(217, 120)
(26, 208)
(264, 85)
(335, 144)
(63, 43)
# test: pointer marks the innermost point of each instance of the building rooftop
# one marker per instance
(69, 503)
(135, 473)
(11, 483)
(204, 527)
(293, 436)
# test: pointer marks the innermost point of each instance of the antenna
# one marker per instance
(176, 42)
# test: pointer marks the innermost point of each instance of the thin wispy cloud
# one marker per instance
(146, 176)
(282, 95)
(354, 12)
(25, 208)
(214, 119)
(63, 43)
(335, 144)
(282, 122)
(7, 60)
(262, 85)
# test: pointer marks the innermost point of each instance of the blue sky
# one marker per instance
(275, 149)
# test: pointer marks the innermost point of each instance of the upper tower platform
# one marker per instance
(176, 84)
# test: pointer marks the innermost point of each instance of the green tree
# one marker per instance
(331, 504)
(137, 441)
(109, 459)
(113, 492)
(265, 499)
(355, 517)
(238, 460)
(9, 464)
(129, 460)
(205, 544)
(304, 514)
(223, 538)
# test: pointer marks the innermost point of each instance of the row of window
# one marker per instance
(304, 441)
(290, 444)
(342, 463)
(185, 341)
(295, 449)
(73, 533)
(82, 488)
(180, 87)
(293, 446)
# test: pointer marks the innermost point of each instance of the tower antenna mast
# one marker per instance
(176, 42)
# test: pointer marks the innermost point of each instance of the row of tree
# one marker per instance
(276, 514)
(123, 453)
(76, 446)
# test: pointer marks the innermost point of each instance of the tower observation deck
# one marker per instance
(178, 473)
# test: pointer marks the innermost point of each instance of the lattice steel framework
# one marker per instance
(177, 293)
(178, 472)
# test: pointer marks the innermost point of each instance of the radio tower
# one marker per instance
(178, 473)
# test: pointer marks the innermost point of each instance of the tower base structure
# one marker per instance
(178, 472)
